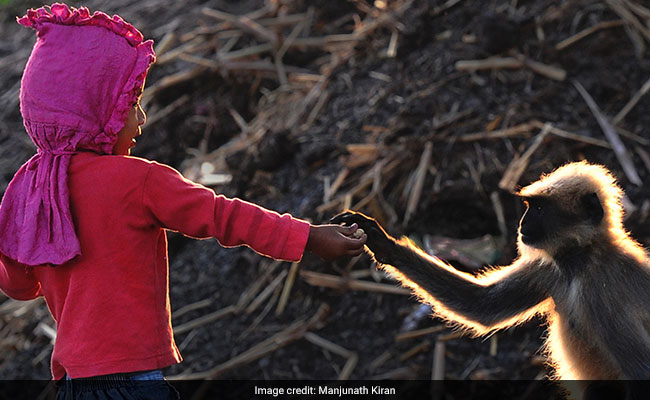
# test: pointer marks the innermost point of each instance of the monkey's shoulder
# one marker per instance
(600, 272)
(573, 260)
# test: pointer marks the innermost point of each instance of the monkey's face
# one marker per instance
(545, 222)
(535, 224)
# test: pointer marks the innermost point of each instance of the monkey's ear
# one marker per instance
(593, 208)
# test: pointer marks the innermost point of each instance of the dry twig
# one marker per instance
(352, 357)
(612, 136)
(631, 103)
(268, 291)
(419, 333)
(438, 369)
(256, 286)
(625, 11)
(243, 22)
(570, 135)
(420, 175)
(205, 319)
(516, 130)
(368, 178)
(413, 351)
(379, 361)
(293, 332)
(516, 62)
(286, 290)
(519, 164)
(191, 307)
(586, 32)
(341, 283)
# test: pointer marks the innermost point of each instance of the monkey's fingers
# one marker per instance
(351, 217)
(377, 237)
(342, 218)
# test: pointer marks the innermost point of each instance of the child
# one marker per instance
(83, 224)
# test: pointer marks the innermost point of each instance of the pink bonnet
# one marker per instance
(82, 78)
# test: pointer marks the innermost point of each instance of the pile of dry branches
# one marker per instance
(383, 175)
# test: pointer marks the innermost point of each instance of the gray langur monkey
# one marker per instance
(577, 267)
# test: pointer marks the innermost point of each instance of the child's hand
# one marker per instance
(333, 241)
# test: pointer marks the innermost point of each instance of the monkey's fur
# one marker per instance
(577, 267)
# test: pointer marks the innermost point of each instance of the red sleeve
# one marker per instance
(17, 280)
(179, 204)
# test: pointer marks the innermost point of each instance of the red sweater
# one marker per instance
(111, 304)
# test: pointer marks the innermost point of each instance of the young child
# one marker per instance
(83, 224)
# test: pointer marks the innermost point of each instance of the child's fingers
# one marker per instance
(356, 244)
(357, 237)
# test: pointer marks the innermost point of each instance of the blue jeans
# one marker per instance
(138, 386)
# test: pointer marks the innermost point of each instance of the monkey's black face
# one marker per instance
(544, 220)
(535, 223)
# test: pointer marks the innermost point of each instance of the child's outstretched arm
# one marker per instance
(330, 242)
(176, 203)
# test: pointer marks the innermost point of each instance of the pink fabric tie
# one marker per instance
(81, 80)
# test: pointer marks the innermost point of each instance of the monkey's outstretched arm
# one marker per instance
(501, 298)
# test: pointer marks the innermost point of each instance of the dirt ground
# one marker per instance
(395, 104)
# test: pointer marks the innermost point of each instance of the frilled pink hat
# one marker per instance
(81, 80)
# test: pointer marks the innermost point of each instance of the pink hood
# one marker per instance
(81, 80)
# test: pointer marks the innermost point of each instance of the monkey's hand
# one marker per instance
(379, 242)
